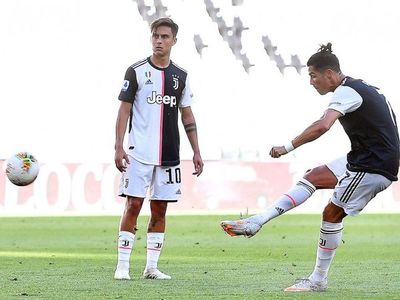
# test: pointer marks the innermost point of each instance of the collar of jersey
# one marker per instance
(155, 67)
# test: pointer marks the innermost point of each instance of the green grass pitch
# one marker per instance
(75, 257)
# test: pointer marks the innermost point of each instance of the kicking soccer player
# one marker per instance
(370, 167)
(153, 91)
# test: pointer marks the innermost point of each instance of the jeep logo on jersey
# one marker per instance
(160, 99)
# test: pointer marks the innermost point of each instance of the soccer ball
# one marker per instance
(22, 168)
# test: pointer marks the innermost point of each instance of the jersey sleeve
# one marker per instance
(187, 95)
(129, 86)
(345, 100)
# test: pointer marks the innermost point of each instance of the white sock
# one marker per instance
(155, 241)
(125, 245)
(329, 239)
(294, 197)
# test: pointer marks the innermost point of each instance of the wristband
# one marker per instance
(289, 147)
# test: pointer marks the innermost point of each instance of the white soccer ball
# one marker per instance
(22, 168)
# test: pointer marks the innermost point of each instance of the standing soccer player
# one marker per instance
(153, 92)
(370, 167)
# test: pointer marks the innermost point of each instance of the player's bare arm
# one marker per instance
(189, 124)
(311, 133)
(121, 158)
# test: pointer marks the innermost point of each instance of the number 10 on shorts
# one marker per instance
(174, 175)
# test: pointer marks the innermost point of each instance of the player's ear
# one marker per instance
(329, 73)
(175, 40)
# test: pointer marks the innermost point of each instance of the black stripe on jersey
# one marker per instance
(174, 84)
(324, 231)
(139, 63)
(182, 69)
(128, 94)
(352, 187)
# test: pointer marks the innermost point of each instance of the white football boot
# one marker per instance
(306, 285)
(155, 274)
(121, 274)
(245, 227)
(122, 271)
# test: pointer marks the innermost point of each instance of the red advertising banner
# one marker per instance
(224, 186)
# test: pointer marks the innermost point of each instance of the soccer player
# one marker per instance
(369, 168)
(153, 92)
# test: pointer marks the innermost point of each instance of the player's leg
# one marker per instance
(165, 188)
(318, 178)
(352, 194)
(134, 184)
(329, 239)
(321, 177)
(126, 236)
(155, 240)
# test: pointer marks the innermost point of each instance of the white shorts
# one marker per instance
(157, 182)
(354, 190)
(338, 166)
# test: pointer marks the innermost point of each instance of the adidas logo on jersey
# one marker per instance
(148, 81)
(160, 99)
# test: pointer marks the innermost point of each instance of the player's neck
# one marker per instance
(337, 80)
(341, 77)
(160, 61)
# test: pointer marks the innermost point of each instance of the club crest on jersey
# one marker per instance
(175, 79)
(160, 99)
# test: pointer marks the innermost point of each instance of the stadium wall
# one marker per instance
(224, 187)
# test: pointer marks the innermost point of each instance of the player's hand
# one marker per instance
(198, 164)
(121, 159)
(277, 151)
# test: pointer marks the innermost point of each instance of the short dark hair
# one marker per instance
(324, 59)
(165, 22)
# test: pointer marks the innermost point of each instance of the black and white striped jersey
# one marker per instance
(371, 126)
(156, 95)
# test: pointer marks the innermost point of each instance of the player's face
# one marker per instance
(319, 80)
(162, 41)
